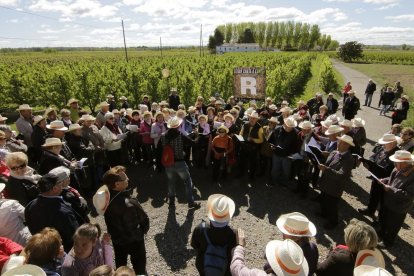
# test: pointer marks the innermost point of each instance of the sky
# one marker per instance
(93, 23)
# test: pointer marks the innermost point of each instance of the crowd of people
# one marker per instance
(60, 161)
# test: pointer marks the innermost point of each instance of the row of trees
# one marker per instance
(281, 35)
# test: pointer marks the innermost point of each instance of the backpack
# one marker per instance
(167, 158)
(215, 257)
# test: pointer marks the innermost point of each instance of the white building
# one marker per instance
(231, 48)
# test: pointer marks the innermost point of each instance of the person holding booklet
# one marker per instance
(380, 166)
(336, 174)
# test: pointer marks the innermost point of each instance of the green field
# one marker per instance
(389, 73)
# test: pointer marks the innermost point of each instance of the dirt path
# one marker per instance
(257, 209)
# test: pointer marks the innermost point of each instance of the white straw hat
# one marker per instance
(273, 107)
(13, 262)
(87, 117)
(73, 127)
(24, 107)
(306, 125)
(255, 115)
(370, 257)
(389, 138)
(346, 123)
(101, 199)
(102, 104)
(2, 186)
(358, 122)
(290, 122)
(25, 270)
(401, 156)
(296, 224)
(347, 139)
(2, 119)
(174, 122)
(220, 208)
(57, 125)
(52, 142)
(366, 270)
(333, 129)
(286, 258)
(37, 119)
(123, 98)
(334, 119)
(327, 123)
(72, 100)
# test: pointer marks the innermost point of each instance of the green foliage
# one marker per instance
(42, 81)
(281, 35)
(350, 51)
(327, 79)
(387, 57)
(215, 40)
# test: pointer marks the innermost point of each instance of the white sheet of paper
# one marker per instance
(307, 149)
(239, 137)
(217, 124)
(377, 179)
(296, 156)
(81, 162)
(312, 142)
(121, 136)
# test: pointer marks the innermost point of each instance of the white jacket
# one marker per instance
(109, 138)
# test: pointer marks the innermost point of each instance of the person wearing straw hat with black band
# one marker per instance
(398, 196)
(336, 174)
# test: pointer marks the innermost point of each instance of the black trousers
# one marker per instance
(304, 176)
(113, 157)
(329, 207)
(375, 196)
(249, 156)
(390, 223)
(138, 256)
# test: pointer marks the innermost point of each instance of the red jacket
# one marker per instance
(145, 131)
(7, 248)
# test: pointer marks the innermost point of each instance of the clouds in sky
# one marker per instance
(97, 23)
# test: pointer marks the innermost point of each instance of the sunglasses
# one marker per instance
(18, 167)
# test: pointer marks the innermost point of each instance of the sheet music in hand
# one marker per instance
(239, 137)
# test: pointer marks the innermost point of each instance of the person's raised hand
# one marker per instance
(241, 237)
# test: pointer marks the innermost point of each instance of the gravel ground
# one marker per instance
(257, 209)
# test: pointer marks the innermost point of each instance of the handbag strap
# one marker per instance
(203, 224)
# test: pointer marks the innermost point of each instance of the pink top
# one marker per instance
(237, 266)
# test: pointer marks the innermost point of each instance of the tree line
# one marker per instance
(288, 35)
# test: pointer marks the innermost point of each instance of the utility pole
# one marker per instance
(123, 32)
(161, 46)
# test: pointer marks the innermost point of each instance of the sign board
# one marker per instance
(249, 82)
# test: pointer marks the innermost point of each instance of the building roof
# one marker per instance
(239, 45)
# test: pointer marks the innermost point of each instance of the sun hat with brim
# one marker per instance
(115, 111)
(101, 199)
(74, 127)
(223, 127)
(290, 122)
(163, 103)
(123, 98)
(174, 89)
(110, 96)
(285, 103)
(401, 156)
(273, 120)
(174, 122)
(228, 115)
(358, 122)
(333, 129)
(327, 123)
(347, 139)
(212, 99)
(306, 125)
(37, 119)
(330, 94)
(2, 119)
(220, 208)
(334, 119)
(218, 102)
(13, 262)
(367, 270)
(87, 117)
(71, 101)
(405, 97)
(351, 92)
(296, 224)
(148, 113)
(286, 258)
(181, 111)
(296, 117)
(254, 115)
(24, 107)
(388, 138)
(191, 109)
(57, 125)
(49, 110)
(202, 116)
(25, 270)
(370, 257)
(2, 186)
(346, 123)
(285, 109)
(103, 104)
(50, 142)
(273, 107)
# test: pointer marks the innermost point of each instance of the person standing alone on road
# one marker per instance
(369, 91)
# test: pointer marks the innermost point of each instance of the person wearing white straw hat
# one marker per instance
(178, 169)
(401, 110)
(398, 196)
(370, 257)
(284, 141)
(25, 123)
(351, 106)
(367, 270)
(124, 102)
(2, 120)
(100, 117)
(381, 166)
(314, 104)
(80, 147)
(284, 258)
(332, 104)
(222, 146)
(217, 232)
(336, 175)
(10, 142)
(173, 99)
(38, 137)
(359, 135)
(300, 229)
(112, 136)
(52, 158)
(252, 133)
(26, 269)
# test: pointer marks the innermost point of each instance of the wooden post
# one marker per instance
(161, 46)
(123, 32)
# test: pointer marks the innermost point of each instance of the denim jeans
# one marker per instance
(281, 167)
(180, 170)
(384, 109)
(368, 99)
